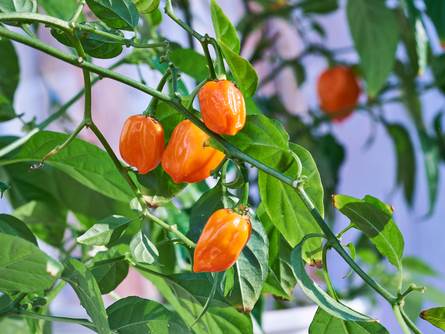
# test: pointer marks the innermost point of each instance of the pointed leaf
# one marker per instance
(224, 29)
(142, 249)
(119, 14)
(431, 161)
(317, 295)
(374, 219)
(435, 316)
(243, 72)
(372, 23)
(83, 283)
(13, 226)
(24, 267)
(105, 231)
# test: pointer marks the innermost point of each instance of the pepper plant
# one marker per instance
(136, 216)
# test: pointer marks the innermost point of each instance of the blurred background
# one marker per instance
(369, 165)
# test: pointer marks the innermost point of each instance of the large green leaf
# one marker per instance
(52, 186)
(134, 315)
(224, 29)
(13, 226)
(83, 283)
(243, 72)
(375, 219)
(325, 323)
(251, 270)
(105, 231)
(24, 267)
(22, 6)
(187, 294)
(375, 33)
(317, 295)
(190, 62)
(281, 280)
(46, 220)
(81, 160)
(284, 206)
(108, 273)
(265, 140)
(435, 316)
(62, 9)
(9, 79)
(118, 14)
(406, 159)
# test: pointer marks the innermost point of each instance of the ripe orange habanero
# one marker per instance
(187, 157)
(142, 143)
(222, 241)
(338, 92)
(222, 107)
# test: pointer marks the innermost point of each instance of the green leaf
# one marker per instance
(118, 14)
(207, 204)
(372, 23)
(417, 266)
(265, 140)
(431, 162)
(81, 160)
(281, 280)
(375, 219)
(105, 231)
(83, 283)
(251, 270)
(187, 294)
(99, 46)
(436, 11)
(146, 6)
(435, 316)
(24, 267)
(46, 220)
(190, 62)
(324, 323)
(134, 315)
(62, 9)
(406, 159)
(54, 187)
(108, 273)
(21, 6)
(317, 295)
(224, 29)
(9, 79)
(142, 249)
(243, 72)
(282, 202)
(13, 226)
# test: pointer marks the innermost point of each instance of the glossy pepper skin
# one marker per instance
(187, 157)
(338, 92)
(222, 241)
(142, 143)
(222, 107)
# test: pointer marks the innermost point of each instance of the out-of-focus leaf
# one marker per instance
(431, 161)
(435, 316)
(9, 78)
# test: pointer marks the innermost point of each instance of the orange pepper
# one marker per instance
(222, 107)
(338, 92)
(142, 143)
(222, 241)
(187, 157)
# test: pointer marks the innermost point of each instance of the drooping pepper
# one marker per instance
(142, 143)
(222, 241)
(338, 92)
(188, 157)
(222, 107)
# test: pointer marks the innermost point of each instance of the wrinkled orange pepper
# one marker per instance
(222, 241)
(338, 92)
(187, 157)
(222, 107)
(142, 143)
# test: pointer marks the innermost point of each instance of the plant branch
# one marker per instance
(32, 315)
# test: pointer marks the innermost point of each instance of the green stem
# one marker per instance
(60, 147)
(32, 315)
(87, 117)
(221, 69)
(36, 18)
(154, 101)
(78, 12)
(409, 322)
(327, 278)
(397, 312)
